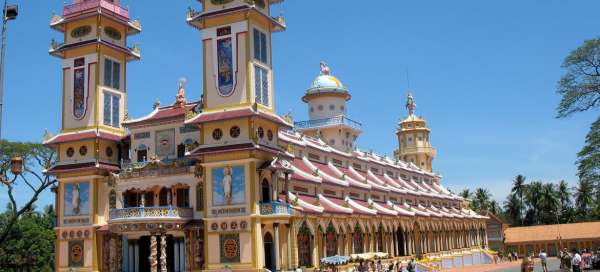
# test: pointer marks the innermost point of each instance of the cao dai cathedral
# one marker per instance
(225, 182)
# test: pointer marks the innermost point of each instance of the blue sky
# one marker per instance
(483, 74)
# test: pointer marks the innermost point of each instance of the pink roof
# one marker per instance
(81, 136)
(235, 113)
(334, 205)
(163, 113)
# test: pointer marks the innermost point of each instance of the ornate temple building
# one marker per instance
(225, 182)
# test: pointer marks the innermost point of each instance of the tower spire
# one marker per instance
(410, 104)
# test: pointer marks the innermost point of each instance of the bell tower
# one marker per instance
(237, 65)
(413, 139)
(89, 147)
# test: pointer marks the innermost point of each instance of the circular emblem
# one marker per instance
(79, 233)
(230, 248)
(233, 225)
(70, 152)
(224, 225)
(217, 134)
(86, 233)
(261, 132)
(243, 225)
(71, 234)
(214, 226)
(234, 131)
(65, 235)
(76, 253)
(83, 150)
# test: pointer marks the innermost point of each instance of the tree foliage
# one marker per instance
(36, 158)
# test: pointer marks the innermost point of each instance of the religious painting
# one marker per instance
(230, 248)
(225, 76)
(304, 249)
(165, 143)
(79, 93)
(229, 185)
(76, 253)
(331, 240)
(76, 199)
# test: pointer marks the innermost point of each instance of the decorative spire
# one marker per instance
(325, 69)
(410, 104)
(180, 98)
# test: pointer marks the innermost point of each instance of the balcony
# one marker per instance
(151, 213)
(337, 120)
(156, 168)
(89, 5)
(275, 208)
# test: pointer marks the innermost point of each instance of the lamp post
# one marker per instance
(10, 13)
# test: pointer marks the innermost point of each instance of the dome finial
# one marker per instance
(410, 104)
(325, 69)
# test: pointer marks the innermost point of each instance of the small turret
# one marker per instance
(413, 139)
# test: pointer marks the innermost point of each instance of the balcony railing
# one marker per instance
(275, 208)
(337, 120)
(135, 213)
(83, 6)
(155, 168)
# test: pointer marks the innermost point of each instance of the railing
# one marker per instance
(275, 208)
(337, 120)
(153, 169)
(168, 212)
(86, 5)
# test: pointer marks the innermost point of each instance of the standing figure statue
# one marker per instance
(410, 104)
(325, 69)
(227, 185)
(76, 200)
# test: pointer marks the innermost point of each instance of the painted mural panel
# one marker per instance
(165, 143)
(225, 66)
(77, 199)
(229, 185)
(76, 253)
(79, 93)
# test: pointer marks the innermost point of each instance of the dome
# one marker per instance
(327, 82)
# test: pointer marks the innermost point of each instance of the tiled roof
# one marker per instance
(586, 230)
(234, 114)
(68, 168)
(82, 135)
(163, 113)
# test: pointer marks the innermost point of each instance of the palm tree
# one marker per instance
(495, 208)
(518, 189)
(564, 196)
(466, 194)
(548, 204)
(512, 207)
(583, 198)
(532, 196)
(481, 200)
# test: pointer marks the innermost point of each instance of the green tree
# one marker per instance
(512, 208)
(548, 204)
(481, 200)
(518, 189)
(580, 86)
(532, 196)
(35, 157)
(584, 199)
(30, 243)
(466, 194)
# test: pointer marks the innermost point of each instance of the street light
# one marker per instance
(10, 13)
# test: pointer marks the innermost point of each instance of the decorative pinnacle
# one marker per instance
(410, 104)
(325, 69)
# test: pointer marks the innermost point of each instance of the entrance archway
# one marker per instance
(269, 252)
(304, 239)
(400, 242)
(330, 241)
(357, 239)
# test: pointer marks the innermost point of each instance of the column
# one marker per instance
(276, 245)
(289, 246)
(153, 254)
(274, 186)
(394, 244)
(163, 252)
(176, 260)
(294, 245)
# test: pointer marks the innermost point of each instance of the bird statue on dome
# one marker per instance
(325, 69)
(410, 104)
(180, 98)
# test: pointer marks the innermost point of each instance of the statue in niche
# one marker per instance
(227, 185)
(76, 200)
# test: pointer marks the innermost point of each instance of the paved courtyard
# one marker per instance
(553, 265)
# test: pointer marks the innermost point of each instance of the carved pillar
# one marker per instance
(288, 244)
(163, 252)
(153, 253)
(274, 186)
(294, 244)
(277, 249)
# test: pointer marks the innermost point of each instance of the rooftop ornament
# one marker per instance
(410, 104)
(325, 69)
(180, 98)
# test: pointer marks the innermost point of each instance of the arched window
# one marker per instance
(380, 239)
(304, 238)
(266, 191)
(357, 238)
(269, 252)
(331, 240)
